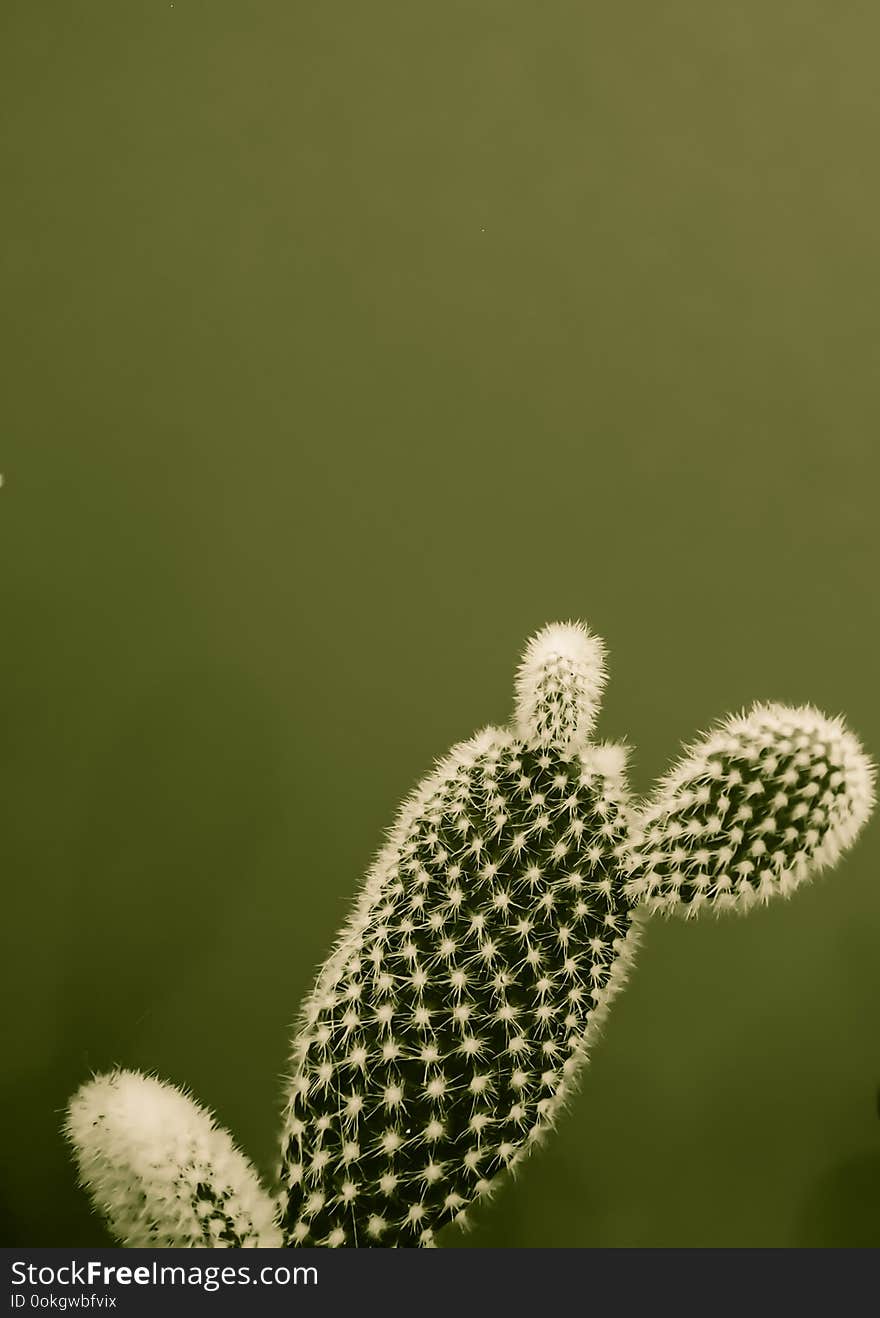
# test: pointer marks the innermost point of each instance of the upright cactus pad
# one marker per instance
(451, 1020)
(443, 1040)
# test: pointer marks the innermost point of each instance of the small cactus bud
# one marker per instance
(559, 686)
(161, 1172)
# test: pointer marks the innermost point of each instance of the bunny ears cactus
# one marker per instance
(452, 1019)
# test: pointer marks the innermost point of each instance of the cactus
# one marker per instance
(452, 1019)
(764, 802)
(161, 1171)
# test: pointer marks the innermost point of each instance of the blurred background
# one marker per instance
(345, 345)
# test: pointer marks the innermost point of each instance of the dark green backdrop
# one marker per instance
(346, 343)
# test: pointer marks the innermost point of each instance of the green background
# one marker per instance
(346, 344)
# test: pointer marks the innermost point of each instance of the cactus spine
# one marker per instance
(454, 1014)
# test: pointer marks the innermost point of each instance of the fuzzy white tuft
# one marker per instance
(559, 686)
(609, 758)
(161, 1171)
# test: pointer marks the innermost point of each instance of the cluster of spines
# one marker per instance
(442, 1045)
